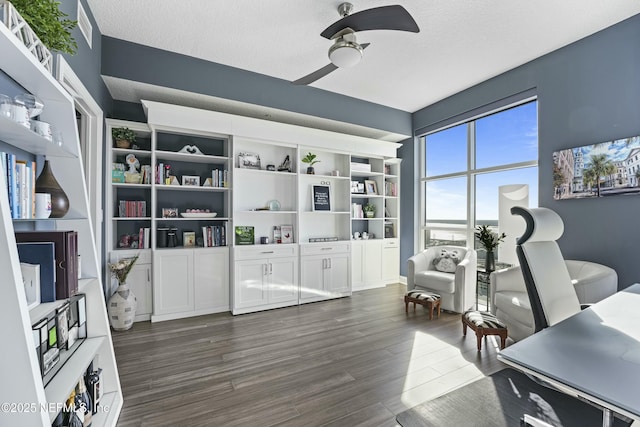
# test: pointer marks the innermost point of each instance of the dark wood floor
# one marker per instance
(354, 361)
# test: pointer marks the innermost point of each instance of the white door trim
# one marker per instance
(92, 151)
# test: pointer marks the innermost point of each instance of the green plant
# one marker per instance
(369, 207)
(311, 159)
(123, 134)
(488, 238)
(49, 23)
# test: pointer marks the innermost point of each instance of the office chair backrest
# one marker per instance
(551, 293)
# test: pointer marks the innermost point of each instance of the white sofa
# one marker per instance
(456, 290)
(510, 303)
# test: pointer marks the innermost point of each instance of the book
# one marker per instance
(245, 235)
(43, 254)
(66, 256)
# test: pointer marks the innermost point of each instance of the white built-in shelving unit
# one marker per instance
(19, 369)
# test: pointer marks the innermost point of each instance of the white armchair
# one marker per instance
(456, 290)
(510, 302)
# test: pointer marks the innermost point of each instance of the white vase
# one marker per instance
(122, 308)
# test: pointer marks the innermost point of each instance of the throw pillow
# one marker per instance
(447, 261)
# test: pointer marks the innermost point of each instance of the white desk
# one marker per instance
(594, 354)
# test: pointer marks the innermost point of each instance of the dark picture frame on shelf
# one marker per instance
(190, 181)
(321, 198)
(389, 231)
(371, 187)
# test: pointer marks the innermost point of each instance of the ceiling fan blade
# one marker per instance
(318, 74)
(393, 17)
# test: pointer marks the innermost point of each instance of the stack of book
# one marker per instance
(21, 185)
(214, 235)
(132, 208)
(220, 178)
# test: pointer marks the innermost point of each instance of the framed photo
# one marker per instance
(188, 238)
(370, 186)
(191, 180)
(248, 160)
(245, 235)
(169, 212)
(389, 231)
(320, 198)
(286, 231)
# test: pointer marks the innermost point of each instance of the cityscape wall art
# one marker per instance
(597, 170)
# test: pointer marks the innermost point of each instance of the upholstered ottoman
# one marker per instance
(428, 299)
(484, 323)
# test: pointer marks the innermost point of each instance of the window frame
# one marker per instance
(469, 174)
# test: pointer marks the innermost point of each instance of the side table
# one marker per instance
(483, 288)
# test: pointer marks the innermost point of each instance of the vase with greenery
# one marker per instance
(310, 159)
(369, 210)
(489, 240)
(49, 23)
(123, 137)
(123, 303)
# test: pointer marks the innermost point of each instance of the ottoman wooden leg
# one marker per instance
(438, 305)
(406, 304)
(479, 336)
(430, 308)
(503, 340)
(464, 328)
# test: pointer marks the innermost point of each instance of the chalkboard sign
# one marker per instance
(320, 198)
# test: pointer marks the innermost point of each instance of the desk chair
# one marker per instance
(551, 293)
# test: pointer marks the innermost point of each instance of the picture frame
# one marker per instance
(188, 239)
(371, 187)
(245, 235)
(320, 198)
(389, 231)
(169, 212)
(248, 160)
(191, 180)
(286, 232)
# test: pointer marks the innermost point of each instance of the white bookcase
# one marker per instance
(19, 369)
(173, 280)
(315, 265)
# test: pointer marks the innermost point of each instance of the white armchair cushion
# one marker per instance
(435, 280)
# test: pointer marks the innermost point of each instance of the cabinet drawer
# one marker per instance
(325, 248)
(265, 251)
(391, 243)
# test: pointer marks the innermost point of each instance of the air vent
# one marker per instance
(84, 24)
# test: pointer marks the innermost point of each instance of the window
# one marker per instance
(465, 164)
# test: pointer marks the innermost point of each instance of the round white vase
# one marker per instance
(122, 308)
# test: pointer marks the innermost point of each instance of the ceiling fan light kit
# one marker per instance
(345, 53)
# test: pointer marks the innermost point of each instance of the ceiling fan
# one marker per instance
(346, 51)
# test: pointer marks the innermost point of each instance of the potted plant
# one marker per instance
(489, 240)
(369, 210)
(310, 159)
(123, 137)
(49, 23)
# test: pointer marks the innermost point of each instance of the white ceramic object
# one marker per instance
(43, 205)
(122, 308)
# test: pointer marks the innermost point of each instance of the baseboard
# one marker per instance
(403, 280)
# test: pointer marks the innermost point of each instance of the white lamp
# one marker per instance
(345, 53)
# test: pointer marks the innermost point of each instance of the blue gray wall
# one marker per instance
(163, 68)
(588, 92)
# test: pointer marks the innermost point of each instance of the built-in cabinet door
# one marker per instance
(283, 279)
(391, 262)
(312, 278)
(372, 263)
(357, 264)
(173, 277)
(250, 283)
(337, 280)
(139, 281)
(211, 279)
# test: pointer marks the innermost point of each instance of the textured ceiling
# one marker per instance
(461, 43)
